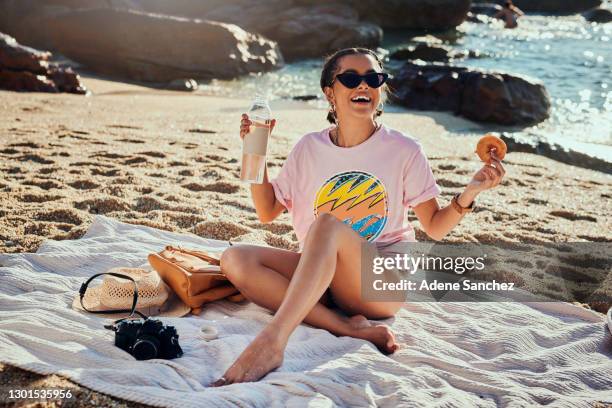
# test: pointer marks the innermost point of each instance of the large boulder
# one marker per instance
(25, 19)
(302, 31)
(148, 47)
(598, 15)
(26, 69)
(410, 14)
(475, 94)
(422, 51)
(487, 9)
(24, 81)
(16, 57)
(555, 151)
(557, 6)
(190, 8)
(413, 14)
(303, 28)
(431, 52)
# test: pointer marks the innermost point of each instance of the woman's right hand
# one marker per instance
(245, 125)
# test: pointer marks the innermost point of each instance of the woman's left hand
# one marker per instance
(489, 176)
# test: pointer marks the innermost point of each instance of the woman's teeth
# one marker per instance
(360, 99)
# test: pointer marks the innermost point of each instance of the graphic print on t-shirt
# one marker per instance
(356, 198)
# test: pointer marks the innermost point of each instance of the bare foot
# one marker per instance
(381, 336)
(359, 322)
(264, 354)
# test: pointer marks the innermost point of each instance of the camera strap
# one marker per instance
(132, 311)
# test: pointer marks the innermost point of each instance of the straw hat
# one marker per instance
(154, 296)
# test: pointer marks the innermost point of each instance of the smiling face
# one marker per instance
(360, 102)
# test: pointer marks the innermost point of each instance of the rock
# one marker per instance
(187, 85)
(25, 81)
(415, 14)
(303, 31)
(475, 54)
(476, 18)
(26, 69)
(66, 80)
(430, 48)
(475, 94)
(187, 8)
(598, 15)
(556, 152)
(305, 97)
(557, 6)
(410, 14)
(434, 53)
(486, 9)
(423, 52)
(303, 28)
(560, 7)
(427, 39)
(483, 12)
(148, 47)
(16, 57)
(24, 19)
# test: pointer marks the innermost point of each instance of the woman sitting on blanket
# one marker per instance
(345, 186)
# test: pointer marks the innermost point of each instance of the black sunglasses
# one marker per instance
(352, 79)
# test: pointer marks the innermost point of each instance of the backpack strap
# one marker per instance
(205, 256)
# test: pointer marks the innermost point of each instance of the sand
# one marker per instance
(170, 160)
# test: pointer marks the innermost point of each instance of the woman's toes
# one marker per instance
(264, 354)
(392, 346)
(219, 383)
(230, 377)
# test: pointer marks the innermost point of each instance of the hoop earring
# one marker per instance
(332, 110)
(380, 109)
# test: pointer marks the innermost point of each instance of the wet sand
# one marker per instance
(170, 160)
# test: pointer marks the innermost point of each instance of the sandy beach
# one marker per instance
(171, 160)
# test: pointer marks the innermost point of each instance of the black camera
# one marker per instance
(147, 339)
(144, 338)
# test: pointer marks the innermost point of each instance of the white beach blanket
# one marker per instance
(454, 354)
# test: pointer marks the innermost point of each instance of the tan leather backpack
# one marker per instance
(195, 276)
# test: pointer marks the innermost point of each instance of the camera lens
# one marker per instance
(145, 348)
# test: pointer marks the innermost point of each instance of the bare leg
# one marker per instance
(331, 252)
(262, 275)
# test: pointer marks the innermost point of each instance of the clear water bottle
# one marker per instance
(255, 143)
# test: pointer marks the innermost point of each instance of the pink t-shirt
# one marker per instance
(369, 186)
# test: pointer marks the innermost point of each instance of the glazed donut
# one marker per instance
(488, 142)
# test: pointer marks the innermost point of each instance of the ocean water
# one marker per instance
(572, 57)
